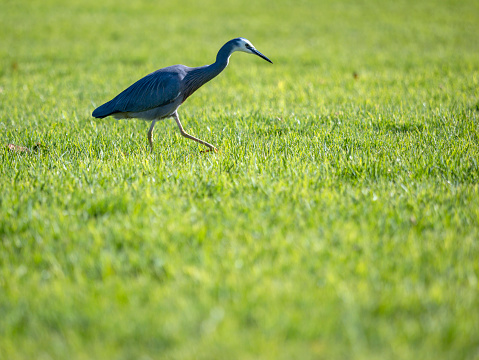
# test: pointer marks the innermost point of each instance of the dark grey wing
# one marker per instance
(156, 89)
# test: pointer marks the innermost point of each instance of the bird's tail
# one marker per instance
(104, 110)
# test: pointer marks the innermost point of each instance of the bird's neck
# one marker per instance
(210, 71)
(223, 56)
(201, 75)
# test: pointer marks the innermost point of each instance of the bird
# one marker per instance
(158, 95)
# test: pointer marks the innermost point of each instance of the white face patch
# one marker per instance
(245, 46)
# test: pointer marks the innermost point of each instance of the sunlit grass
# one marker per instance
(338, 220)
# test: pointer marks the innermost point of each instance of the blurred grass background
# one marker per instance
(339, 219)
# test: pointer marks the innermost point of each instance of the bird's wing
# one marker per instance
(154, 90)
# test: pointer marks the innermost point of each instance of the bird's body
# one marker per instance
(159, 94)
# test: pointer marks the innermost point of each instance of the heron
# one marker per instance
(158, 95)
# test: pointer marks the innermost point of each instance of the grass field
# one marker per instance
(339, 220)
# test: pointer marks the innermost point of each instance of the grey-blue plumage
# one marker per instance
(159, 94)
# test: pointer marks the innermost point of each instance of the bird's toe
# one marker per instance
(210, 150)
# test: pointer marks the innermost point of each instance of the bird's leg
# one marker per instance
(185, 134)
(150, 133)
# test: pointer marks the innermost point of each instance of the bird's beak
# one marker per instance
(256, 52)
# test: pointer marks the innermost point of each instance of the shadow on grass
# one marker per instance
(12, 148)
(399, 128)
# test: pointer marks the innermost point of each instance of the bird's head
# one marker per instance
(244, 45)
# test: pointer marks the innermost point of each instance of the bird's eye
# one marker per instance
(248, 46)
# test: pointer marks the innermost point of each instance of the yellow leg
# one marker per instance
(185, 134)
(150, 134)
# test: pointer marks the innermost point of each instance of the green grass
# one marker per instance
(339, 220)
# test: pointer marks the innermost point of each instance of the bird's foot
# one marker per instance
(210, 150)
